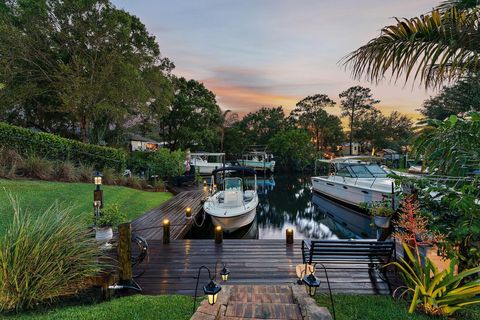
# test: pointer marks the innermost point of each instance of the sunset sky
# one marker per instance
(254, 53)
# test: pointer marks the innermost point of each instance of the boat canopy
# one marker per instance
(234, 168)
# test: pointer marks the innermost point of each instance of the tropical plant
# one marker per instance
(437, 292)
(43, 256)
(292, 148)
(228, 118)
(110, 216)
(432, 48)
(452, 146)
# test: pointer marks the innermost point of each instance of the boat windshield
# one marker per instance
(368, 171)
(233, 184)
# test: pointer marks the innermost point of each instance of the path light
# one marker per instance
(98, 180)
(211, 290)
(224, 273)
(188, 213)
(311, 284)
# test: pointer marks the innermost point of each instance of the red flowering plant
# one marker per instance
(432, 291)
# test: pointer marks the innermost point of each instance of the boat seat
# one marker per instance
(248, 195)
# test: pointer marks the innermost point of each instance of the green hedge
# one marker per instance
(29, 143)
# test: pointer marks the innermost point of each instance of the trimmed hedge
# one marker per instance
(163, 162)
(29, 143)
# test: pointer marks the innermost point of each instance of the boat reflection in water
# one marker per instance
(288, 202)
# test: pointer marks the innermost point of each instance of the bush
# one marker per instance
(85, 173)
(38, 168)
(10, 161)
(164, 163)
(45, 145)
(44, 256)
(66, 171)
(111, 216)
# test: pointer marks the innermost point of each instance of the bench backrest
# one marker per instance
(351, 250)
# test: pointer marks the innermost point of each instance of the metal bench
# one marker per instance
(350, 254)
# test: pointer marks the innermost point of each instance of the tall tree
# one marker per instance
(228, 118)
(310, 114)
(84, 60)
(261, 125)
(355, 101)
(459, 98)
(194, 117)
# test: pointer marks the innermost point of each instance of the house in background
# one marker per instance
(344, 149)
(139, 143)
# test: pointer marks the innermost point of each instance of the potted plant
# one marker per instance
(110, 217)
(382, 214)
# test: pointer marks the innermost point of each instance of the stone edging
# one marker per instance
(308, 306)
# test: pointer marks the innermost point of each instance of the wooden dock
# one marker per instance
(173, 268)
(150, 225)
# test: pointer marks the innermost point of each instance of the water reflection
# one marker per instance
(286, 201)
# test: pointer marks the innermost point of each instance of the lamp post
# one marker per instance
(97, 195)
(211, 289)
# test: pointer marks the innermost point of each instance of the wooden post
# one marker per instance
(218, 235)
(289, 235)
(166, 231)
(124, 251)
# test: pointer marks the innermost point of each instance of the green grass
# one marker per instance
(37, 195)
(370, 307)
(134, 307)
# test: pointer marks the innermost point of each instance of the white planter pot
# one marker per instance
(103, 234)
(382, 222)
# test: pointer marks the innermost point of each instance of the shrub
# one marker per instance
(164, 163)
(109, 176)
(10, 161)
(45, 145)
(39, 168)
(111, 216)
(66, 171)
(85, 173)
(43, 256)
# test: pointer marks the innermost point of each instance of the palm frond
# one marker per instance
(459, 4)
(431, 48)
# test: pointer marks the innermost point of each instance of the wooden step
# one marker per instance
(263, 311)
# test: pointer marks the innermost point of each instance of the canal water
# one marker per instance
(287, 201)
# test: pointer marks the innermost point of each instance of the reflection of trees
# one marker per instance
(288, 202)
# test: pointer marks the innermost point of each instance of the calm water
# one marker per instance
(287, 201)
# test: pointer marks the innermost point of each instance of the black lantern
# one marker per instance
(311, 284)
(211, 290)
(224, 273)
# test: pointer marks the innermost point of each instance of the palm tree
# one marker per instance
(443, 45)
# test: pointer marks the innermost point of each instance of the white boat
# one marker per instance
(258, 163)
(355, 182)
(232, 207)
(206, 162)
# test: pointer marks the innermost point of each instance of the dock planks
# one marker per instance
(150, 225)
(173, 268)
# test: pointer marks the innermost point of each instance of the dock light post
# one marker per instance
(211, 289)
(166, 231)
(97, 195)
(218, 235)
(289, 235)
(188, 213)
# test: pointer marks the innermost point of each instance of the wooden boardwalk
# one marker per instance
(150, 225)
(173, 267)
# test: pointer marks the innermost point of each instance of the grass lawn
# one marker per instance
(38, 195)
(369, 307)
(134, 307)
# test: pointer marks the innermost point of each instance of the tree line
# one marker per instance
(90, 71)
